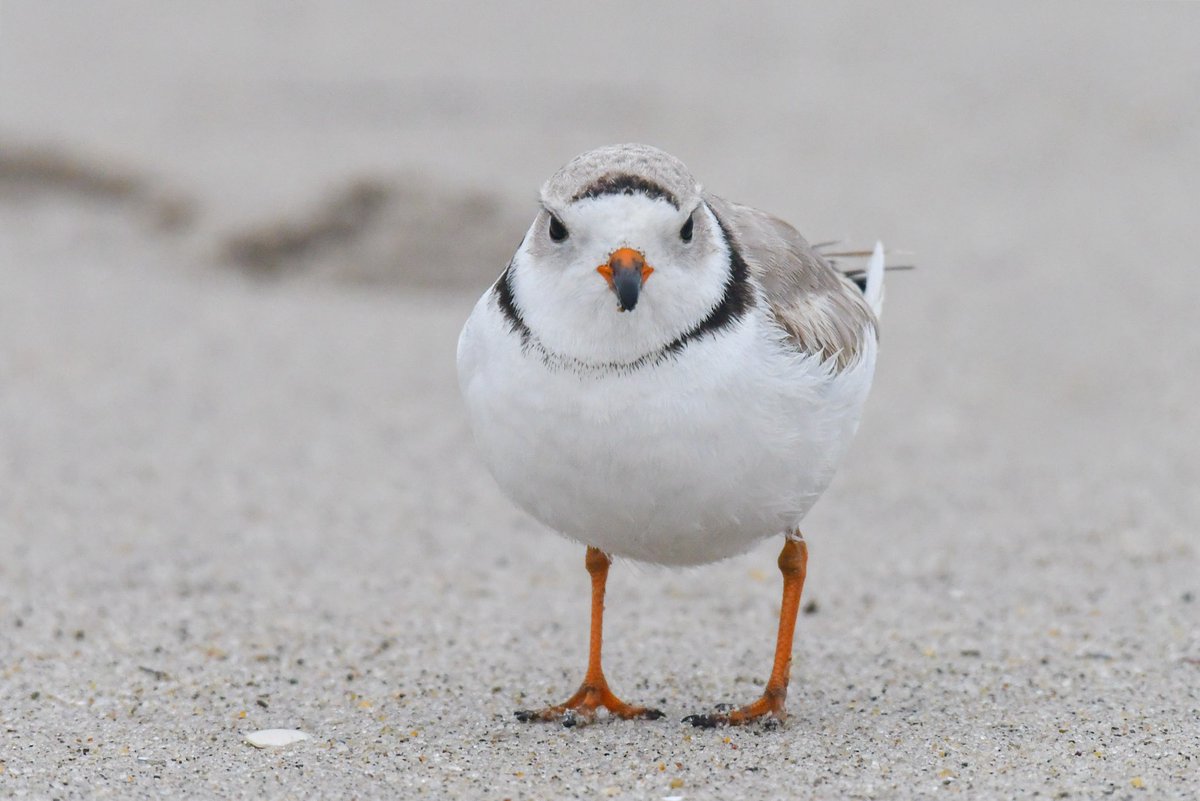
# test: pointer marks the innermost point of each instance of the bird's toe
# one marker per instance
(704, 721)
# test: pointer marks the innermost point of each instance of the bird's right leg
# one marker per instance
(593, 693)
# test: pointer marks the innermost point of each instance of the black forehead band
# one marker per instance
(626, 184)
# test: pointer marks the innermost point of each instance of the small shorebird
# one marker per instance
(667, 376)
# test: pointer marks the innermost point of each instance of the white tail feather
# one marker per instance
(874, 291)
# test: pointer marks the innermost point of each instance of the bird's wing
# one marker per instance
(822, 311)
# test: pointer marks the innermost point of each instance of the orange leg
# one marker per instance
(793, 564)
(594, 692)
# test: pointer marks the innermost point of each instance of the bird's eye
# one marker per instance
(685, 233)
(558, 231)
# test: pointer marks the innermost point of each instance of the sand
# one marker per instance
(238, 492)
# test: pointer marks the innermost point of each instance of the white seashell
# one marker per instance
(275, 738)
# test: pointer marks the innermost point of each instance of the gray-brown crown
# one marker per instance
(622, 169)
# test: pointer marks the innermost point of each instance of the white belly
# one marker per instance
(688, 461)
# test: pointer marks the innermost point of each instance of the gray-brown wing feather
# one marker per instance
(822, 311)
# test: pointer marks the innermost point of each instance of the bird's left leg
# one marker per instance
(793, 564)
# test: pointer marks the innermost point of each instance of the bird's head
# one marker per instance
(623, 257)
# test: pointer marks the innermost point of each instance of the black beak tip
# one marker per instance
(628, 288)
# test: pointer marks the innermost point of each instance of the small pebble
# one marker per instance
(275, 738)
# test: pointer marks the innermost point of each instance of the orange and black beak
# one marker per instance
(626, 272)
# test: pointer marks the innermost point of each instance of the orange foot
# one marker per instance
(771, 703)
(582, 706)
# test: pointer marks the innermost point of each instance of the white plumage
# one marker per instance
(682, 459)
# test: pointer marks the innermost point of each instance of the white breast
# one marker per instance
(689, 460)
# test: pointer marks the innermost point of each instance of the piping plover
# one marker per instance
(664, 375)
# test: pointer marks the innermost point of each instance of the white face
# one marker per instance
(573, 309)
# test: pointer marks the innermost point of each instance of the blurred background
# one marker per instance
(237, 489)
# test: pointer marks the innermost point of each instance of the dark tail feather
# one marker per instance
(859, 276)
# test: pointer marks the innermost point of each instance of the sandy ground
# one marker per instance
(237, 490)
